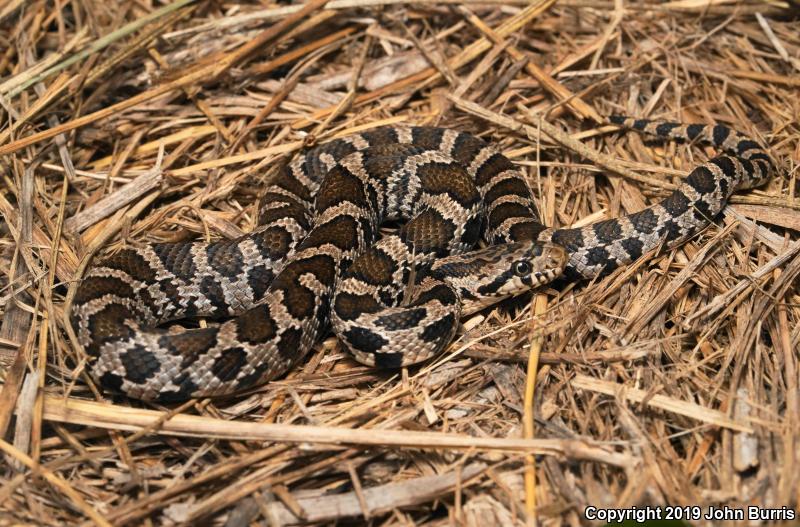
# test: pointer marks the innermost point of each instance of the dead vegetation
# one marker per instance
(672, 381)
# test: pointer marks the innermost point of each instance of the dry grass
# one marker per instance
(672, 381)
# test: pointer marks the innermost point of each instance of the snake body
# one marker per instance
(314, 259)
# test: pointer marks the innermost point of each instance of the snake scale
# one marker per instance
(314, 261)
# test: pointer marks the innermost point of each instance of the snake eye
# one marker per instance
(522, 268)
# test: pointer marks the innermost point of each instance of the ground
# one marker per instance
(673, 381)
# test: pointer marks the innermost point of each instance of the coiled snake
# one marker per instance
(313, 259)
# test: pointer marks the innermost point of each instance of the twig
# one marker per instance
(124, 418)
(378, 499)
(670, 404)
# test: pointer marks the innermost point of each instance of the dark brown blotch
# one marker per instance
(97, 286)
(384, 135)
(261, 373)
(506, 187)
(289, 345)
(570, 239)
(286, 180)
(437, 292)
(644, 221)
(374, 267)
(259, 278)
(429, 232)
(131, 262)
(225, 258)
(599, 256)
(341, 232)
(382, 161)
(189, 345)
(340, 185)
(720, 134)
(493, 165)
(449, 179)
(440, 331)
(256, 325)
(634, 247)
(186, 389)
(665, 129)
(702, 180)
(109, 324)
(726, 164)
(111, 381)
(177, 259)
(273, 243)
(676, 203)
(365, 340)
(526, 230)
(140, 364)
(349, 306)
(694, 130)
(213, 291)
(505, 211)
(228, 365)
(671, 231)
(289, 208)
(174, 297)
(402, 319)
(313, 166)
(466, 148)
(388, 360)
(427, 137)
(607, 231)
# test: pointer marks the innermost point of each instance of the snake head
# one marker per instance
(485, 277)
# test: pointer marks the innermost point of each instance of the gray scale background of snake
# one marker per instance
(323, 211)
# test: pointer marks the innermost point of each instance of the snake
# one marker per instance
(469, 236)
